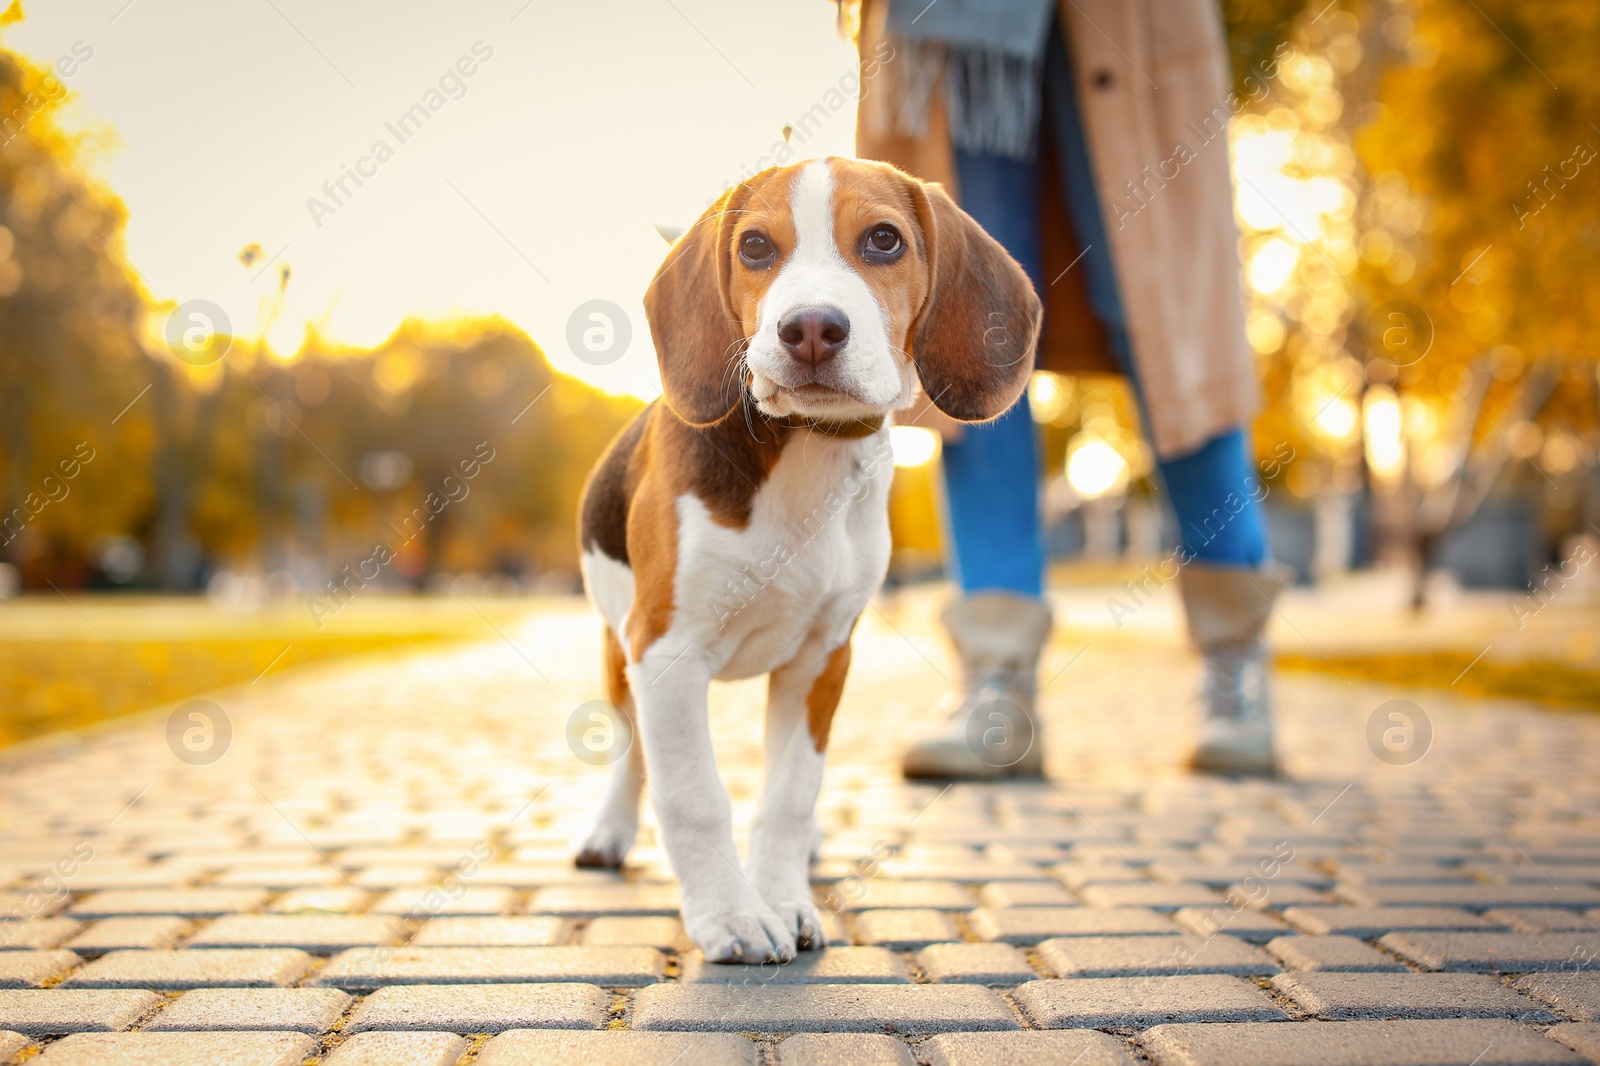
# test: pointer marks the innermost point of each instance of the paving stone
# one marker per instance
(33, 905)
(283, 877)
(1220, 875)
(295, 1010)
(1402, 873)
(30, 969)
(1133, 956)
(909, 1009)
(1082, 874)
(320, 934)
(905, 930)
(969, 870)
(527, 1047)
(1540, 920)
(1025, 926)
(398, 1049)
(542, 875)
(482, 1008)
(104, 874)
(388, 877)
(222, 967)
(344, 900)
(1472, 897)
(521, 931)
(843, 1049)
(591, 901)
(1246, 924)
(182, 902)
(1375, 921)
(1132, 1002)
(179, 1049)
(1574, 994)
(1156, 897)
(1582, 1037)
(665, 934)
(1496, 952)
(889, 895)
(839, 965)
(1387, 1043)
(430, 902)
(54, 1010)
(975, 964)
(115, 934)
(1332, 953)
(1081, 1048)
(1408, 995)
(11, 1043)
(360, 969)
(36, 935)
(1025, 894)
(1278, 896)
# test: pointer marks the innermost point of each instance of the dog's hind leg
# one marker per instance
(618, 823)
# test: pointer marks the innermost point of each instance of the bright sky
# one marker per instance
(533, 192)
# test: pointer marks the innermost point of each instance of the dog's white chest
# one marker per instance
(813, 552)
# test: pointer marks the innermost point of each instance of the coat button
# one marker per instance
(1104, 79)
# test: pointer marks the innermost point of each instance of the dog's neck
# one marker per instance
(843, 428)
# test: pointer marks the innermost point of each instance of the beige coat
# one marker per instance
(1155, 92)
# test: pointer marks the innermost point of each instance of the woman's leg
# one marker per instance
(1226, 585)
(1216, 497)
(994, 537)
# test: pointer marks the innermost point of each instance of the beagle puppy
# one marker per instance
(740, 524)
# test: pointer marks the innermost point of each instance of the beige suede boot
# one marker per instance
(1227, 609)
(990, 730)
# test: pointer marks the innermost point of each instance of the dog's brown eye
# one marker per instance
(883, 243)
(755, 249)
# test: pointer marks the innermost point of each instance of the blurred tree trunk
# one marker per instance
(173, 553)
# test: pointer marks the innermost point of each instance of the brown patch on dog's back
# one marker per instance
(823, 699)
(603, 512)
(652, 524)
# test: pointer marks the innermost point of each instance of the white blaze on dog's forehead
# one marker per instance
(811, 205)
(817, 273)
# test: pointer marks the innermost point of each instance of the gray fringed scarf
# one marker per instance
(991, 56)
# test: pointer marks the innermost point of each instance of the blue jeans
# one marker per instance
(995, 536)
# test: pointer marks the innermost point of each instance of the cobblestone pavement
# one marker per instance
(376, 870)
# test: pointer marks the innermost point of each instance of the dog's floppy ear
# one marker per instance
(973, 342)
(696, 333)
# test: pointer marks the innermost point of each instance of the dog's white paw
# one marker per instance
(800, 918)
(607, 844)
(748, 933)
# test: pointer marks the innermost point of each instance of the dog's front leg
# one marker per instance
(801, 699)
(722, 911)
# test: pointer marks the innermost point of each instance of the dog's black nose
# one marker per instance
(813, 335)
